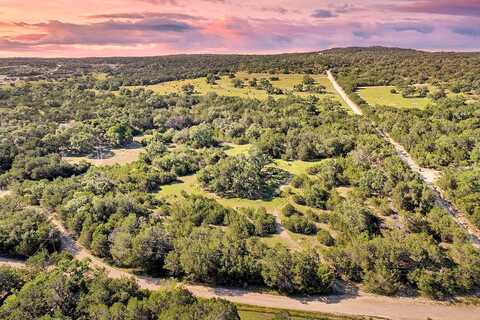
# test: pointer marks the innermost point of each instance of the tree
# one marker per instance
(372, 182)
(121, 248)
(316, 196)
(277, 269)
(381, 280)
(188, 89)
(308, 80)
(25, 230)
(202, 136)
(150, 247)
(241, 176)
(237, 83)
(408, 91)
(119, 134)
(212, 78)
(300, 272)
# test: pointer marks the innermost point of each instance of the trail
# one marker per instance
(359, 304)
(353, 305)
(355, 108)
(429, 176)
(282, 232)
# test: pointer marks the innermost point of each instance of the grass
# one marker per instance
(382, 96)
(100, 75)
(248, 312)
(190, 184)
(236, 149)
(296, 167)
(224, 86)
(4, 193)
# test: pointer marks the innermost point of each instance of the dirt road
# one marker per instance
(361, 304)
(347, 304)
(355, 108)
(429, 176)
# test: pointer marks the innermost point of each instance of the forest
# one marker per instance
(352, 211)
(83, 293)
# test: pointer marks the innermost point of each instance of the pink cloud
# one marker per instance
(152, 27)
(444, 7)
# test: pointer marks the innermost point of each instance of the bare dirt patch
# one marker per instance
(115, 156)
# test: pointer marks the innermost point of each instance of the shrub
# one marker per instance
(325, 238)
(289, 210)
(299, 224)
(298, 199)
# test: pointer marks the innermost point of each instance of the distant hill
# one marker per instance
(374, 49)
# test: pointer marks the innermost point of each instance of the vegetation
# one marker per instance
(383, 96)
(242, 176)
(191, 208)
(25, 231)
(70, 290)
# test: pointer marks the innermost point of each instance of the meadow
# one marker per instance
(225, 87)
(381, 96)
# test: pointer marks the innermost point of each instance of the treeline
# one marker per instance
(71, 290)
(370, 66)
(390, 66)
(444, 136)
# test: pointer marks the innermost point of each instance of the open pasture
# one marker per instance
(382, 96)
(225, 87)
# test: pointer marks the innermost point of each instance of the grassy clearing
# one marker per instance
(224, 86)
(382, 96)
(260, 313)
(190, 185)
(236, 149)
(4, 193)
(100, 75)
(119, 156)
(344, 191)
(296, 167)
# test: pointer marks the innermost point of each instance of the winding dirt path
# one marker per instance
(283, 233)
(361, 304)
(353, 305)
(429, 176)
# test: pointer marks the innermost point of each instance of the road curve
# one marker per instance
(353, 305)
(361, 304)
(429, 176)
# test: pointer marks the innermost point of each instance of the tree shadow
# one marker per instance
(342, 292)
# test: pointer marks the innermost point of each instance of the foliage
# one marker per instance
(72, 291)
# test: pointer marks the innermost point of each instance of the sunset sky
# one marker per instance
(77, 28)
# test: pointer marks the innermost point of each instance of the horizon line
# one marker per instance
(247, 53)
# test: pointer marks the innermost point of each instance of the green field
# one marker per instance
(296, 167)
(382, 96)
(224, 86)
(259, 313)
(236, 149)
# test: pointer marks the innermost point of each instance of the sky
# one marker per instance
(86, 28)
